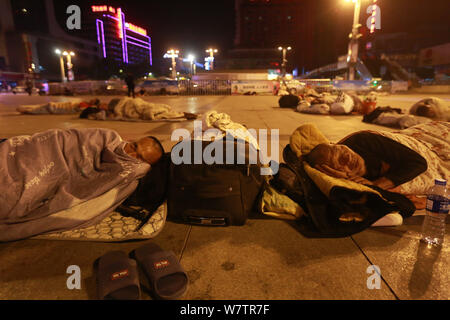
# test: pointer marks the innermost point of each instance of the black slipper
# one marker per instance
(117, 277)
(166, 276)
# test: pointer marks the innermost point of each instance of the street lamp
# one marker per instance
(191, 60)
(172, 54)
(211, 56)
(283, 64)
(352, 55)
(69, 56)
(61, 62)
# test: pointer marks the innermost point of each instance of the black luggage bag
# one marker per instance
(214, 194)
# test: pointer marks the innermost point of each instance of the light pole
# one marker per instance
(69, 56)
(172, 54)
(191, 60)
(61, 62)
(211, 56)
(352, 55)
(283, 64)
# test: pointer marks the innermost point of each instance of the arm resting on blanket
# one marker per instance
(389, 163)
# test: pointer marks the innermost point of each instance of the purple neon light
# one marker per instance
(149, 45)
(138, 45)
(136, 32)
(125, 37)
(102, 41)
(136, 39)
(112, 17)
(98, 33)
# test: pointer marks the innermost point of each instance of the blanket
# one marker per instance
(325, 104)
(432, 141)
(129, 108)
(223, 122)
(67, 107)
(46, 173)
(136, 110)
(393, 117)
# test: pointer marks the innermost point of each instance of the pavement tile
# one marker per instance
(36, 269)
(411, 269)
(270, 259)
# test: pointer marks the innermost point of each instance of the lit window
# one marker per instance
(289, 17)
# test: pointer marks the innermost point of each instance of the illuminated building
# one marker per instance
(118, 39)
(30, 31)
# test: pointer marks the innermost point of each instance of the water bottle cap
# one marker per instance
(440, 182)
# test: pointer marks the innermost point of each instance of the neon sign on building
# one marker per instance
(125, 31)
(136, 28)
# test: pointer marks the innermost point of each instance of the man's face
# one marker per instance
(145, 149)
(342, 162)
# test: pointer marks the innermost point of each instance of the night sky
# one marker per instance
(192, 26)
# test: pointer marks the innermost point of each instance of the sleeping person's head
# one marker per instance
(147, 149)
(425, 110)
(336, 160)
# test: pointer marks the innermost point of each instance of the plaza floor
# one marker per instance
(264, 259)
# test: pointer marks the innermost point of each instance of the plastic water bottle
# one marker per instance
(433, 229)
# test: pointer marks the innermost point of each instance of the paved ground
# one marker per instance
(265, 259)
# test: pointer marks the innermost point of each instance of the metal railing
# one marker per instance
(224, 87)
(204, 87)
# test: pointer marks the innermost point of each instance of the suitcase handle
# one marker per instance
(207, 221)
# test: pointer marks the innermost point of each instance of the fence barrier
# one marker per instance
(223, 87)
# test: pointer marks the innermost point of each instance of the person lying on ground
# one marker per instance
(393, 117)
(388, 160)
(55, 170)
(315, 103)
(65, 107)
(433, 108)
(425, 110)
(135, 109)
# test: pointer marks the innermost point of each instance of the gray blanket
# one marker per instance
(48, 172)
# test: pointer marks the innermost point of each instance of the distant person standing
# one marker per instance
(129, 80)
(29, 87)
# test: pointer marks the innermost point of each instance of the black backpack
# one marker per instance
(214, 194)
(289, 101)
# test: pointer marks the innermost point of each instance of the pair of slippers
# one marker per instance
(118, 275)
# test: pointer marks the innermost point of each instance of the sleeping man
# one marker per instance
(43, 175)
(433, 108)
(406, 162)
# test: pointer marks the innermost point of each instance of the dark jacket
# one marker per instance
(322, 213)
